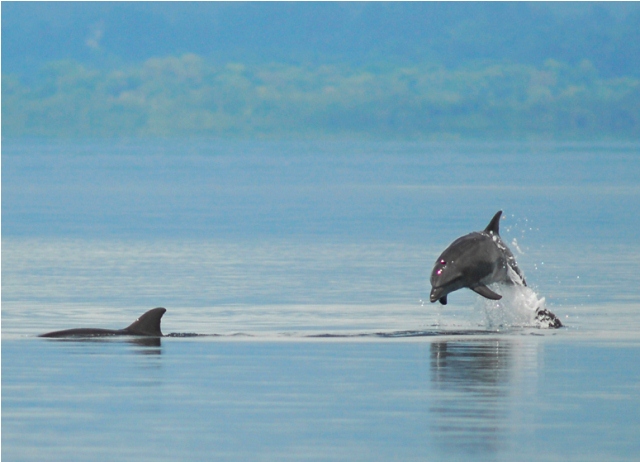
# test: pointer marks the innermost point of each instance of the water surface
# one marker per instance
(305, 266)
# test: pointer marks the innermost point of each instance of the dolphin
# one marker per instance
(147, 325)
(476, 260)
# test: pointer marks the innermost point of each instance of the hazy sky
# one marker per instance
(110, 33)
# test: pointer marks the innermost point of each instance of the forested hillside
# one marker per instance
(316, 69)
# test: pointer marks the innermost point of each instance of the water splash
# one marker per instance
(514, 244)
(520, 306)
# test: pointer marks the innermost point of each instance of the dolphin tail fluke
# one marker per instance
(494, 225)
(147, 324)
(548, 319)
(486, 292)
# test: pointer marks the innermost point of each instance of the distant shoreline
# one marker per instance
(184, 96)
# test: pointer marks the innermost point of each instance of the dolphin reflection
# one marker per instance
(471, 379)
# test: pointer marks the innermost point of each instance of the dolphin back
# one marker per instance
(81, 332)
(493, 229)
(146, 325)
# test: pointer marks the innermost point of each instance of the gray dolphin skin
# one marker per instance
(475, 261)
(147, 325)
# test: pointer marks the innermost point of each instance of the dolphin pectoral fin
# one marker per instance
(443, 300)
(486, 292)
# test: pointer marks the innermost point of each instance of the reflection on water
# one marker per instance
(148, 345)
(144, 345)
(472, 379)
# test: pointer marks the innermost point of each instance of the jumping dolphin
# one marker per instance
(147, 325)
(475, 261)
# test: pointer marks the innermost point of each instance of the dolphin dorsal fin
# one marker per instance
(494, 225)
(148, 323)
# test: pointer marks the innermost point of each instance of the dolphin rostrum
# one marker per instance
(147, 325)
(476, 260)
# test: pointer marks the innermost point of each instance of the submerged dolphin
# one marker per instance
(476, 260)
(147, 325)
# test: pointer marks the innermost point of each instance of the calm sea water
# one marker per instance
(305, 267)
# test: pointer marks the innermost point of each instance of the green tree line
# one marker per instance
(187, 95)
